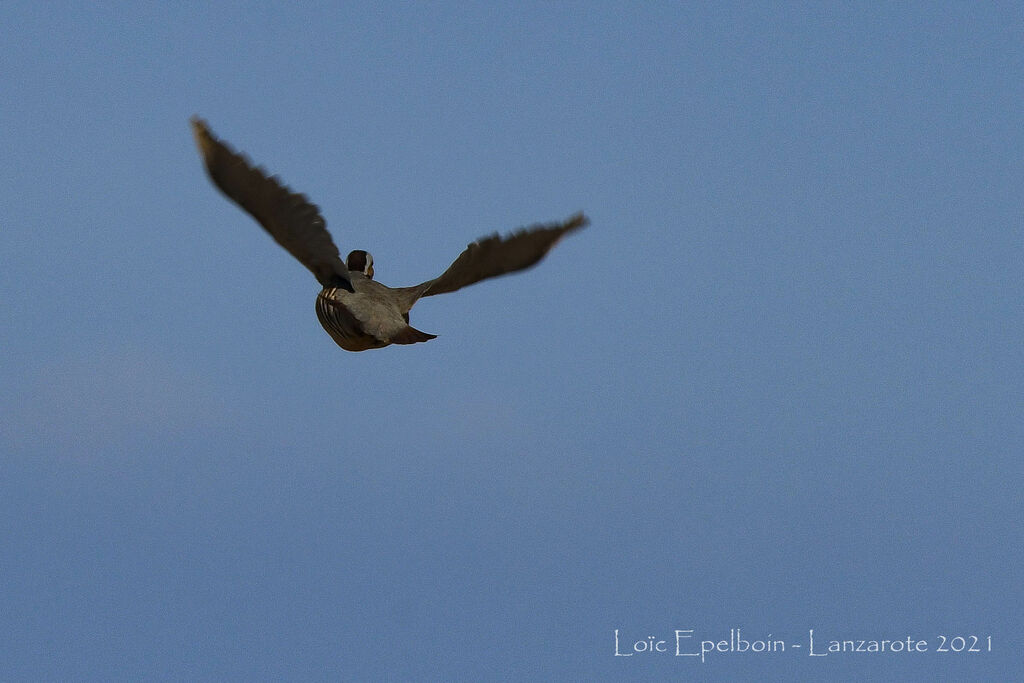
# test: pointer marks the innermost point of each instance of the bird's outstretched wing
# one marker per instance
(496, 255)
(291, 219)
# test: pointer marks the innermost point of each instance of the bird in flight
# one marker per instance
(357, 311)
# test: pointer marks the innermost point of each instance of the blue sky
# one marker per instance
(776, 385)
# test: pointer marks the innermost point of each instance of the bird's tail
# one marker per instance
(410, 335)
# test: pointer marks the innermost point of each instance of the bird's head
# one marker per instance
(361, 262)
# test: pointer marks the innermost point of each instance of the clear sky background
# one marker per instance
(777, 385)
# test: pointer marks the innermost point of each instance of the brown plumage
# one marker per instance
(358, 312)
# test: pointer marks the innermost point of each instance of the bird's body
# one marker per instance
(357, 311)
(371, 316)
